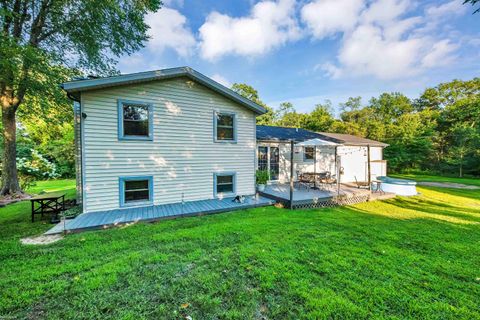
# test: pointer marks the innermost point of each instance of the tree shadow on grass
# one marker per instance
(464, 193)
(436, 206)
(412, 215)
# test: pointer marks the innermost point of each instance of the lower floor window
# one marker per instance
(136, 189)
(224, 183)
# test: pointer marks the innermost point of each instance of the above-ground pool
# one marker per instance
(400, 187)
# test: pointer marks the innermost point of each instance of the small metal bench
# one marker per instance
(52, 203)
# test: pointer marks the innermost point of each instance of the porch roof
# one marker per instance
(282, 134)
(317, 143)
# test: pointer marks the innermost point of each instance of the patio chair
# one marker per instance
(322, 179)
(330, 181)
(361, 184)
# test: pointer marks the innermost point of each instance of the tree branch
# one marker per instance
(39, 23)
(19, 19)
(8, 19)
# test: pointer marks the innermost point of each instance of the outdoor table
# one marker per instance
(319, 177)
(378, 186)
(48, 203)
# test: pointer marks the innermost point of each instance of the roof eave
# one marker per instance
(75, 87)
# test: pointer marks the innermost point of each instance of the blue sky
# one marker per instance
(308, 51)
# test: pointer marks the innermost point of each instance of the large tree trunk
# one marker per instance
(10, 183)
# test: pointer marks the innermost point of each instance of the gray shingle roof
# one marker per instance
(273, 133)
(353, 140)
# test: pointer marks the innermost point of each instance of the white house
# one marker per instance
(161, 137)
(174, 136)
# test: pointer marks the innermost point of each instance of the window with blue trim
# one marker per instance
(225, 127)
(136, 190)
(135, 120)
(224, 183)
(308, 154)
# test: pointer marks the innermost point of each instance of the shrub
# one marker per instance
(37, 166)
(262, 176)
(26, 181)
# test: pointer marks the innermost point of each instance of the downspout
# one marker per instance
(77, 127)
(369, 169)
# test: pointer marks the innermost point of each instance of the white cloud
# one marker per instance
(366, 51)
(382, 38)
(385, 11)
(269, 25)
(330, 69)
(222, 80)
(448, 9)
(327, 17)
(441, 54)
(168, 29)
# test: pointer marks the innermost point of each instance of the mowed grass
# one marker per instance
(403, 258)
(430, 178)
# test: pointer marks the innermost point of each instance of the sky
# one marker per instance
(305, 52)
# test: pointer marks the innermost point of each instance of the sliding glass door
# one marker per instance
(274, 163)
(269, 159)
(262, 158)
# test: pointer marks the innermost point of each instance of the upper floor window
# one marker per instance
(309, 153)
(225, 127)
(135, 120)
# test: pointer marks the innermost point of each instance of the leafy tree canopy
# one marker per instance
(43, 42)
(251, 93)
(473, 3)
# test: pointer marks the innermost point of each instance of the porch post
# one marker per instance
(369, 169)
(291, 174)
(338, 169)
(315, 167)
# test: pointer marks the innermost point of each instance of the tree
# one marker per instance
(473, 3)
(49, 125)
(321, 118)
(251, 93)
(39, 38)
(448, 93)
(352, 104)
(390, 106)
(287, 116)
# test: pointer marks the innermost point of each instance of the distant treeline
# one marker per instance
(437, 132)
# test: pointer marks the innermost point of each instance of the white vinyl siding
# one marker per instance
(182, 157)
(355, 162)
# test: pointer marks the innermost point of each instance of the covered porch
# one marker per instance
(307, 188)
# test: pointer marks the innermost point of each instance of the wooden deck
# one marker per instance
(106, 219)
(305, 198)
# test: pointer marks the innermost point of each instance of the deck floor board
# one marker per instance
(103, 219)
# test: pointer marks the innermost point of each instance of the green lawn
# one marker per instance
(429, 178)
(402, 258)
